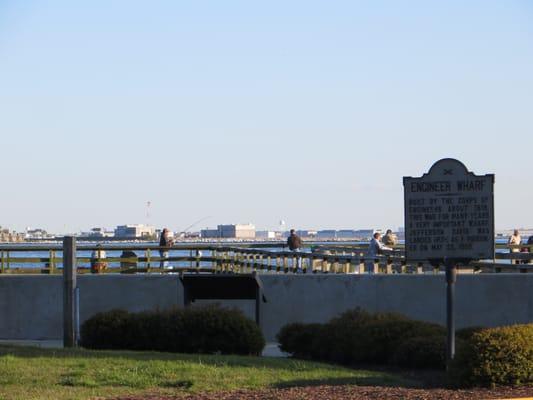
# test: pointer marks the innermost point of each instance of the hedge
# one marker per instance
(298, 339)
(495, 356)
(206, 329)
(484, 356)
(357, 336)
(428, 352)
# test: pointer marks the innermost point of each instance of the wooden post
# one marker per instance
(235, 261)
(69, 286)
(214, 263)
(197, 261)
(347, 266)
(420, 268)
(388, 268)
(335, 266)
(325, 265)
(361, 265)
(375, 266)
(311, 267)
(403, 267)
(51, 261)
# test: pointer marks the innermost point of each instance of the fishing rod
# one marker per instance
(193, 224)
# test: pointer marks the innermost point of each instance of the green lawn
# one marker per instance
(34, 373)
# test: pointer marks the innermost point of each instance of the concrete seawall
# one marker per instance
(31, 306)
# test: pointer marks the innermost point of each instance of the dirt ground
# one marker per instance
(352, 393)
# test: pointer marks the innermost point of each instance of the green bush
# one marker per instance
(360, 337)
(212, 329)
(298, 338)
(495, 356)
(339, 339)
(466, 333)
(356, 336)
(207, 329)
(105, 330)
(425, 352)
(381, 338)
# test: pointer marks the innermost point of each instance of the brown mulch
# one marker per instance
(349, 392)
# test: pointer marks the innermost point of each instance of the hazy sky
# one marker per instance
(246, 111)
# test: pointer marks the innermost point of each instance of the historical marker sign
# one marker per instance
(449, 213)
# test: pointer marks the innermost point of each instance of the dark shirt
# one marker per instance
(294, 242)
(164, 241)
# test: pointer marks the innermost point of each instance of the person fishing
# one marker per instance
(165, 242)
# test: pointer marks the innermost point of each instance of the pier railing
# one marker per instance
(243, 258)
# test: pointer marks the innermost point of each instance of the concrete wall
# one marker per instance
(31, 306)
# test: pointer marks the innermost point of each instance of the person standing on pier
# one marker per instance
(390, 239)
(375, 249)
(295, 244)
(515, 240)
(164, 241)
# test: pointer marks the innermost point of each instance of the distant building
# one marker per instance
(265, 235)
(190, 235)
(346, 234)
(10, 236)
(233, 231)
(98, 233)
(209, 234)
(237, 231)
(134, 231)
(364, 233)
(326, 234)
(35, 234)
(307, 234)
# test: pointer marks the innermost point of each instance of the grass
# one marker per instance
(35, 373)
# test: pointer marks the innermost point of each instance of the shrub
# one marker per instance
(428, 352)
(356, 336)
(466, 333)
(495, 356)
(105, 330)
(207, 329)
(361, 337)
(339, 339)
(298, 339)
(381, 338)
(211, 329)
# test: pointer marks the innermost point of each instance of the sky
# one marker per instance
(309, 112)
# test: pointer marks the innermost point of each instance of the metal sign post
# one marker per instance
(69, 286)
(451, 278)
(449, 219)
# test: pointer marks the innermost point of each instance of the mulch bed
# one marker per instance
(349, 392)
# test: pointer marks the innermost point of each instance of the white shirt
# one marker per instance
(376, 247)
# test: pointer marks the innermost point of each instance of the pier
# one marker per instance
(332, 278)
(272, 258)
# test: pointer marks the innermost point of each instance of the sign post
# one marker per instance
(451, 278)
(449, 219)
